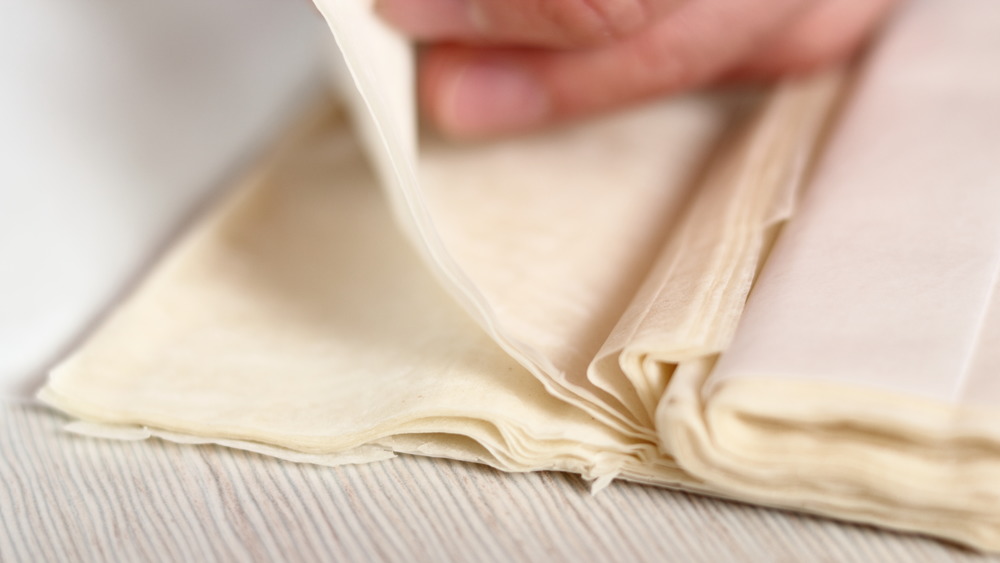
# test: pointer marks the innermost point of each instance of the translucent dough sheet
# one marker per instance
(577, 300)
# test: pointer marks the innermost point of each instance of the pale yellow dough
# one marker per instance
(574, 300)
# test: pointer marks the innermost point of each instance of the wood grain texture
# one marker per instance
(68, 498)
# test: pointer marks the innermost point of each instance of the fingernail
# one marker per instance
(430, 19)
(493, 97)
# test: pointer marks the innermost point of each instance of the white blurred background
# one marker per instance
(116, 119)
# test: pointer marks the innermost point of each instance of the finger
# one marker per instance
(473, 92)
(548, 23)
(830, 31)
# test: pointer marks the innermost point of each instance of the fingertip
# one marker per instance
(472, 96)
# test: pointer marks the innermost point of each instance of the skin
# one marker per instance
(496, 67)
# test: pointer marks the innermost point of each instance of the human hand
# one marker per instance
(501, 66)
